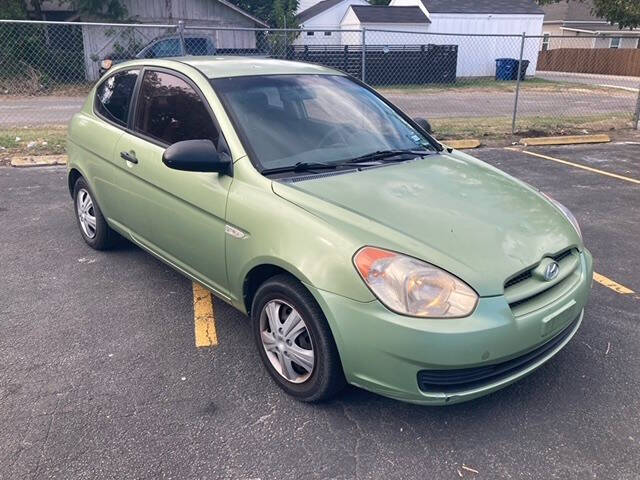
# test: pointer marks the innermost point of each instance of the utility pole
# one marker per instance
(364, 52)
(515, 106)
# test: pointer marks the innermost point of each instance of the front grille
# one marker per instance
(526, 291)
(521, 277)
(518, 278)
(562, 255)
(466, 378)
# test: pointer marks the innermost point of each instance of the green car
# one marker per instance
(363, 250)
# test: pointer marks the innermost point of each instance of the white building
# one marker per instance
(404, 20)
(427, 18)
(324, 18)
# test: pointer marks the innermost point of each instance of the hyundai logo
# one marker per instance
(551, 271)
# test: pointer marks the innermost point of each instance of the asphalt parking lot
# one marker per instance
(100, 376)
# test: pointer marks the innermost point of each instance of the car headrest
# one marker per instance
(255, 100)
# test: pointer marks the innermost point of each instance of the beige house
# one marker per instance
(573, 19)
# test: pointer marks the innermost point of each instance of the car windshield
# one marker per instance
(313, 119)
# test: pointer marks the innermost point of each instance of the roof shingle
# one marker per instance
(386, 14)
(597, 27)
(571, 11)
(483, 6)
(316, 9)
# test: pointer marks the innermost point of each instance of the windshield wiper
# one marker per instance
(371, 158)
(387, 155)
(300, 167)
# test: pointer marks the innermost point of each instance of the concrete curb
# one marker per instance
(567, 140)
(462, 144)
(38, 161)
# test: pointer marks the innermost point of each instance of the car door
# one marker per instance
(109, 176)
(184, 212)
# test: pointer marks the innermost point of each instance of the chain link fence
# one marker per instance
(466, 85)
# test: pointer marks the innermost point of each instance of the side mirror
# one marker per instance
(196, 156)
(424, 124)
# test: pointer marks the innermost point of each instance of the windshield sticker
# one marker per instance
(415, 139)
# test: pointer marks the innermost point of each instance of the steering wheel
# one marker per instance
(334, 130)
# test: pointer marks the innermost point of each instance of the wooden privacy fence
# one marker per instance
(607, 61)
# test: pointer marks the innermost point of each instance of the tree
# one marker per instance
(103, 9)
(282, 16)
(262, 9)
(36, 56)
(106, 9)
(626, 13)
(284, 13)
(13, 9)
(273, 12)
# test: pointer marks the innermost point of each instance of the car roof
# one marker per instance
(230, 66)
(177, 35)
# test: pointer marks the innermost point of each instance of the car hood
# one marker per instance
(451, 210)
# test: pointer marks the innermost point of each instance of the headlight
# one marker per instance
(411, 287)
(567, 213)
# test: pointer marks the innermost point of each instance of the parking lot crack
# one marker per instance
(264, 418)
(356, 449)
(21, 444)
(46, 438)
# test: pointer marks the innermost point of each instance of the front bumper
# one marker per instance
(384, 352)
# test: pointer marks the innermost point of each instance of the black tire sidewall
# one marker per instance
(102, 238)
(327, 377)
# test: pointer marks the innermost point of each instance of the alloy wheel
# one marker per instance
(86, 213)
(286, 340)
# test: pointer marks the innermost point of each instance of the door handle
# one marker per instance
(129, 157)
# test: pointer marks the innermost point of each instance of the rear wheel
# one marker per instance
(294, 340)
(93, 227)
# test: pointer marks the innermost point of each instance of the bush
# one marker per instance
(35, 57)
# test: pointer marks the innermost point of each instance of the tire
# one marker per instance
(99, 236)
(326, 378)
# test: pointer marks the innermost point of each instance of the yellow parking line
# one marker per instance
(583, 167)
(205, 324)
(607, 282)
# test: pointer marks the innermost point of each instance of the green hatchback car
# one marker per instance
(363, 250)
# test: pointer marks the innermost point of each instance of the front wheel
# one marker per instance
(294, 340)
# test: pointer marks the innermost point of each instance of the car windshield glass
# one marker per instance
(311, 119)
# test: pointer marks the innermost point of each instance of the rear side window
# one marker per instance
(165, 48)
(198, 46)
(113, 96)
(171, 111)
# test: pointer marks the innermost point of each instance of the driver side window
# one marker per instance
(165, 48)
(170, 110)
